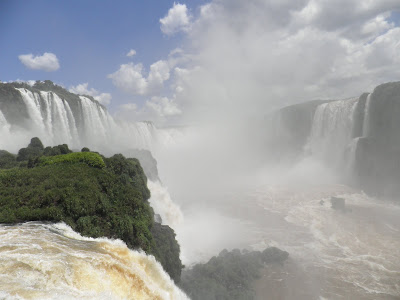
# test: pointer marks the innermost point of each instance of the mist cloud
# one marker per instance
(239, 59)
(254, 56)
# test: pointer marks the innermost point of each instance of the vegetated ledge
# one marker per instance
(95, 195)
(230, 275)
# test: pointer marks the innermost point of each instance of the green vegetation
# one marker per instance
(91, 159)
(7, 160)
(230, 275)
(167, 249)
(56, 150)
(34, 149)
(94, 195)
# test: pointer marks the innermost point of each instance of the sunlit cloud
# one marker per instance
(177, 19)
(47, 62)
(130, 78)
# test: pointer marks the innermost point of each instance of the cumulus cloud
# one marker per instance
(131, 53)
(130, 78)
(362, 19)
(46, 62)
(82, 89)
(177, 19)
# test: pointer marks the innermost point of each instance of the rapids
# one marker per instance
(51, 261)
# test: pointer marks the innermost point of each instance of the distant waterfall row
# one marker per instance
(83, 122)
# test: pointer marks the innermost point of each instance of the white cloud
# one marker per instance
(130, 78)
(47, 62)
(362, 19)
(177, 19)
(82, 89)
(131, 53)
(163, 106)
(377, 25)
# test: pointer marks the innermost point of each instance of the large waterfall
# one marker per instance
(65, 118)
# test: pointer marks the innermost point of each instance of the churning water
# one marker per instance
(43, 261)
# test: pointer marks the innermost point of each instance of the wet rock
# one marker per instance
(338, 204)
(157, 218)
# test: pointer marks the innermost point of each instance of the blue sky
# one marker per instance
(90, 39)
(236, 57)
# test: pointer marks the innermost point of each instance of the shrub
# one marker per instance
(89, 158)
(34, 149)
(7, 160)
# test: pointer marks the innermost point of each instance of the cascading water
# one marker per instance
(366, 116)
(162, 204)
(330, 137)
(85, 123)
(39, 261)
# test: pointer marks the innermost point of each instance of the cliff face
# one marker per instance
(377, 158)
(361, 136)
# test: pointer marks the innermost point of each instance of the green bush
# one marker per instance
(7, 160)
(34, 149)
(89, 158)
(56, 150)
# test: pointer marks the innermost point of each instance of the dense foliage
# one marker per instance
(94, 195)
(230, 275)
(7, 160)
(167, 249)
(91, 159)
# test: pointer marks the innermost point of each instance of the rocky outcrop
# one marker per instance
(338, 204)
(147, 161)
(230, 275)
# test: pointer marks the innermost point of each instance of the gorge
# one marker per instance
(354, 141)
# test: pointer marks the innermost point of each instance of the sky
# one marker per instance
(193, 61)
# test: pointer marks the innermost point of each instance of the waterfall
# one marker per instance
(74, 120)
(163, 205)
(331, 130)
(33, 105)
(367, 116)
(43, 261)
(3, 123)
